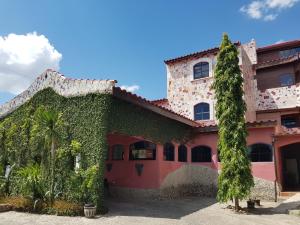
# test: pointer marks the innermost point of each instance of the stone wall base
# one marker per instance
(263, 189)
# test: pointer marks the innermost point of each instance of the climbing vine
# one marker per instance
(89, 119)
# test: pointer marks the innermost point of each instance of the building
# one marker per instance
(138, 166)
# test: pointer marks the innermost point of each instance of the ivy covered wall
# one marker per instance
(89, 119)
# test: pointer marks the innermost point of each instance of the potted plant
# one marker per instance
(250, 204)
(89, 210)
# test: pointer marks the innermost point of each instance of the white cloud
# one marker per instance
(23, 58)
(270, 17)
(266, 10)
(131, 88)
(281, 4)
(280, 41)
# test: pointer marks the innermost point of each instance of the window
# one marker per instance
(290, 121)
(169, 154)
(201, 154)
(201, 70)
(286, 80)
(201, 111)
(117, 152)
(260, 153)
(219, 155)
(182, 153)
(142, 150)
(289, 52)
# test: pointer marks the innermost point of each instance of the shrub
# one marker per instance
(18, 203)
(64, 208)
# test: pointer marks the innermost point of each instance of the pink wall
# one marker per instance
(280, 142)
(123, 173)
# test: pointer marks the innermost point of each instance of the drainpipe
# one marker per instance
(275, 164)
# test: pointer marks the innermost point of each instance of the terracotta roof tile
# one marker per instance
(286, 44)
(196, 54)
(148, 102)
(278, 61)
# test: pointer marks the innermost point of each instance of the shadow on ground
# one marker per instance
(280, 209)
(171, 209)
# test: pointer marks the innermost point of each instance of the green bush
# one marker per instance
(31, 182)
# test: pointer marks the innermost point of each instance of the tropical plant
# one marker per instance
(31, 182)
(50, 126)
(235, 180)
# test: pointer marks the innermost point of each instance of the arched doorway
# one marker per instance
(290, 155)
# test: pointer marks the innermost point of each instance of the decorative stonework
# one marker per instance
(263, 189)
(278, 98)
(184, 92)
(61, 85)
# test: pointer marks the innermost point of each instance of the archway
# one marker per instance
(290, 155)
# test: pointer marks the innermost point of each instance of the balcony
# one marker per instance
(278, 98)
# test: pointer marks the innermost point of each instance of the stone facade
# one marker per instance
(184, 92)
(278, 98)
(61, 85)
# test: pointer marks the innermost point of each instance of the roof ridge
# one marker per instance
(62, 85)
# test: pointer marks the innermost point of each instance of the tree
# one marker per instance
(50, 126)
(235, 179)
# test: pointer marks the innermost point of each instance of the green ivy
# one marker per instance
(90, 119)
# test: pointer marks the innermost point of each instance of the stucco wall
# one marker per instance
(248, 56)
(61, 85)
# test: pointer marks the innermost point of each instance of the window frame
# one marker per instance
(169, 152)
(180, 148)
(259, 154)
(202, 73)
(203, 112)
(148, 146)
(203, 159)
(282, 76)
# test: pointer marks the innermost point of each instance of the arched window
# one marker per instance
(201, 154)
(182, 153)
(117, 152)
(260, 153)
(142, 150)
(169, 153)
(201, 111)
(201, 70)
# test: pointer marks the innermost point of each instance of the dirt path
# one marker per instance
(191, 211)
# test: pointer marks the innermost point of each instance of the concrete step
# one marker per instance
(287, 193)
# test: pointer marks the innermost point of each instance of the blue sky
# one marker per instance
(129, 40)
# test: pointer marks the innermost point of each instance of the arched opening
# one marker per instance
(169, 152)
(260, 152)
(290, 155)
(182, 153)
(201, 111)
(142, 150)
(201, 70)
(201, 154)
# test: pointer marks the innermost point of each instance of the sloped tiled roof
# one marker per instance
(277, 46)
(196, 54)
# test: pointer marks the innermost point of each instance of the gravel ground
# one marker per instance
(190, 211)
